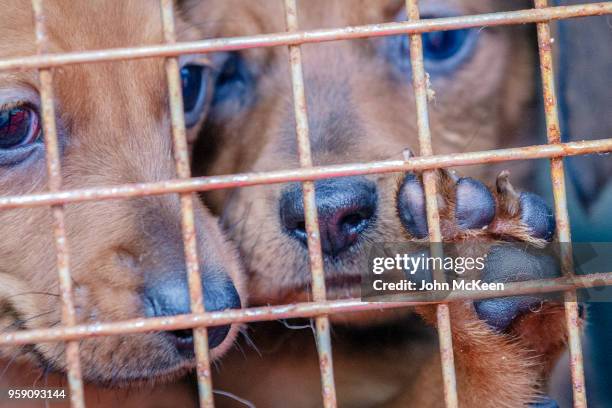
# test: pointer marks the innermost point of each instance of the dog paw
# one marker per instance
(501, 339)
(499, 221)
(513, 263)
(533, 217)
(469, 208)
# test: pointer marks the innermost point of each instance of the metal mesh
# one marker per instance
(319, 308)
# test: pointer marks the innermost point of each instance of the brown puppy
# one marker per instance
(361, 108)
(127, 256)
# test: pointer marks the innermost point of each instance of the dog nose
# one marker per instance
(346, 208)
(169, 296)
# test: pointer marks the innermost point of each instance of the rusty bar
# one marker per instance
(301, 174)
(312, 36)
(181, 158)
(419, 82)
(553, 131)
(323, 337)
(306, 309)
(54, 174)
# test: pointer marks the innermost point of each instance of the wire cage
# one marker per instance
(70, 332)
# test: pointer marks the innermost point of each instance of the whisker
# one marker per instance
(238, 346)
(235, 398)
(33, 293)
(250, 342)
(295, 327)
(11, 361)
(19, 322)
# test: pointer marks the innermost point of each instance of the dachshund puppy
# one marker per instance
(361, 108)
(126, 256)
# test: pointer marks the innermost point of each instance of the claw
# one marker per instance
(407, 153)
(504, 186)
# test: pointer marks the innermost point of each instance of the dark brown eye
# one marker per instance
(19, 126)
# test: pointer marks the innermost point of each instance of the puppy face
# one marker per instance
(361, 108)
(126, 257)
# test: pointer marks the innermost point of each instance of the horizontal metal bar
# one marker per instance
(314, 173)
(311, 36)
(296, 310)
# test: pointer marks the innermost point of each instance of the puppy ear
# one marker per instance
(186, 7)
(584, 63)
(183, 3)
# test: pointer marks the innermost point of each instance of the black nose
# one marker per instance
(346, 207)
(169, 296)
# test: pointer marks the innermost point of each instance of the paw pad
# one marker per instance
(411, 206)
(537, 216)
(512, 263)
(475, 205)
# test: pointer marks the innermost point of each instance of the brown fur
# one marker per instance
(359, 112)
(113, 123)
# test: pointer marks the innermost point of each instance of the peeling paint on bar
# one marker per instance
(311, 36)
(419, 81)
(322, 332)
(183, 171)
(306, 309)
(301, 174)
(54, 174)
(553, 131)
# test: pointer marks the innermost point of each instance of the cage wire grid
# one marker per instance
(320, 308)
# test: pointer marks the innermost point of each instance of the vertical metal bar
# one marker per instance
(54, 174)
(419, 81)
(553, 132)
(181, 158)
(310, 211)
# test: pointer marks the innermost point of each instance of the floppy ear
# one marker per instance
(185, 6)
(584, 63)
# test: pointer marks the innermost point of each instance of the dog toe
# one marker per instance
(475, 205)
(527, 210)
(411, 206)
(537, 216)
(510, 263)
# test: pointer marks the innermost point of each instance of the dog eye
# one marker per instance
(442, 45)
(443, 51)
(19, 127)
(194, 80)
(234, 85)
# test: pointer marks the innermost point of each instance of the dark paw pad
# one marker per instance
(411, 206)
(475, 206)
(513, 263)
(537, 216)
